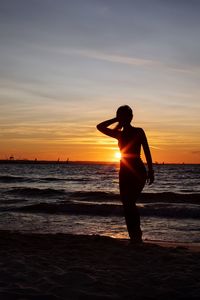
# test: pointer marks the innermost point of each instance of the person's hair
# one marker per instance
(125, 112)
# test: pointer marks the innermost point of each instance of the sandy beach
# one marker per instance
(50, 267)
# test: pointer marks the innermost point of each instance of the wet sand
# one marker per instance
(50, 267)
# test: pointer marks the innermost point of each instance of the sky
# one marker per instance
(67, 65)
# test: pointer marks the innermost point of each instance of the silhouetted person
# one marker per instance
(132, 174)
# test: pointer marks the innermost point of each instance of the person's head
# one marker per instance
(124, 115)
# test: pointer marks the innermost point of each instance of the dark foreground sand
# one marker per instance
(50, 267)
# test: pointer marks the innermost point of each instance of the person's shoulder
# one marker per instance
(139, 130)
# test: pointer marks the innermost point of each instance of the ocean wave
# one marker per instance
(92, 196)
(99, 196)
(49, 192)
(36, 192)
(72, 208)
(65, 179)
(165, 197)
(15, 179)
(170, 197)
(10, 179)
(110, 209)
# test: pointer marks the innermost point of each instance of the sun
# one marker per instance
(117, 154)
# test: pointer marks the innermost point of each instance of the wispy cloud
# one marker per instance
(116, 58)
(132, 61)
(104, 56)
(124, 59)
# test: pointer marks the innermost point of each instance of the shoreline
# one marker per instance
(12, 234)
(66, 266)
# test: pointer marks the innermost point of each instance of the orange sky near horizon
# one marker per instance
(60, 78)
(94, 147)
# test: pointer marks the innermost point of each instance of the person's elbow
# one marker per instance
(98, 127)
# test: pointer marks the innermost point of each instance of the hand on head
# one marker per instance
(119, 126)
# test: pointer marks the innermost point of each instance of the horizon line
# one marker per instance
(83, 161)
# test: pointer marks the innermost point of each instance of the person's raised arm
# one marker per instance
(103, 127)
(145, 145)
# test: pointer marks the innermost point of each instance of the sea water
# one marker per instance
(83, 198)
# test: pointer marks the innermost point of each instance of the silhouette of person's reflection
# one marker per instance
(132, 174)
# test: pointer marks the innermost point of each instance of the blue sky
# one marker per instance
(67, 65)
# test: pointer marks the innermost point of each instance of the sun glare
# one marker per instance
(117, 155)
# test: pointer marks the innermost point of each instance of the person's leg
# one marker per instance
(130, 189)
(132, 217)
